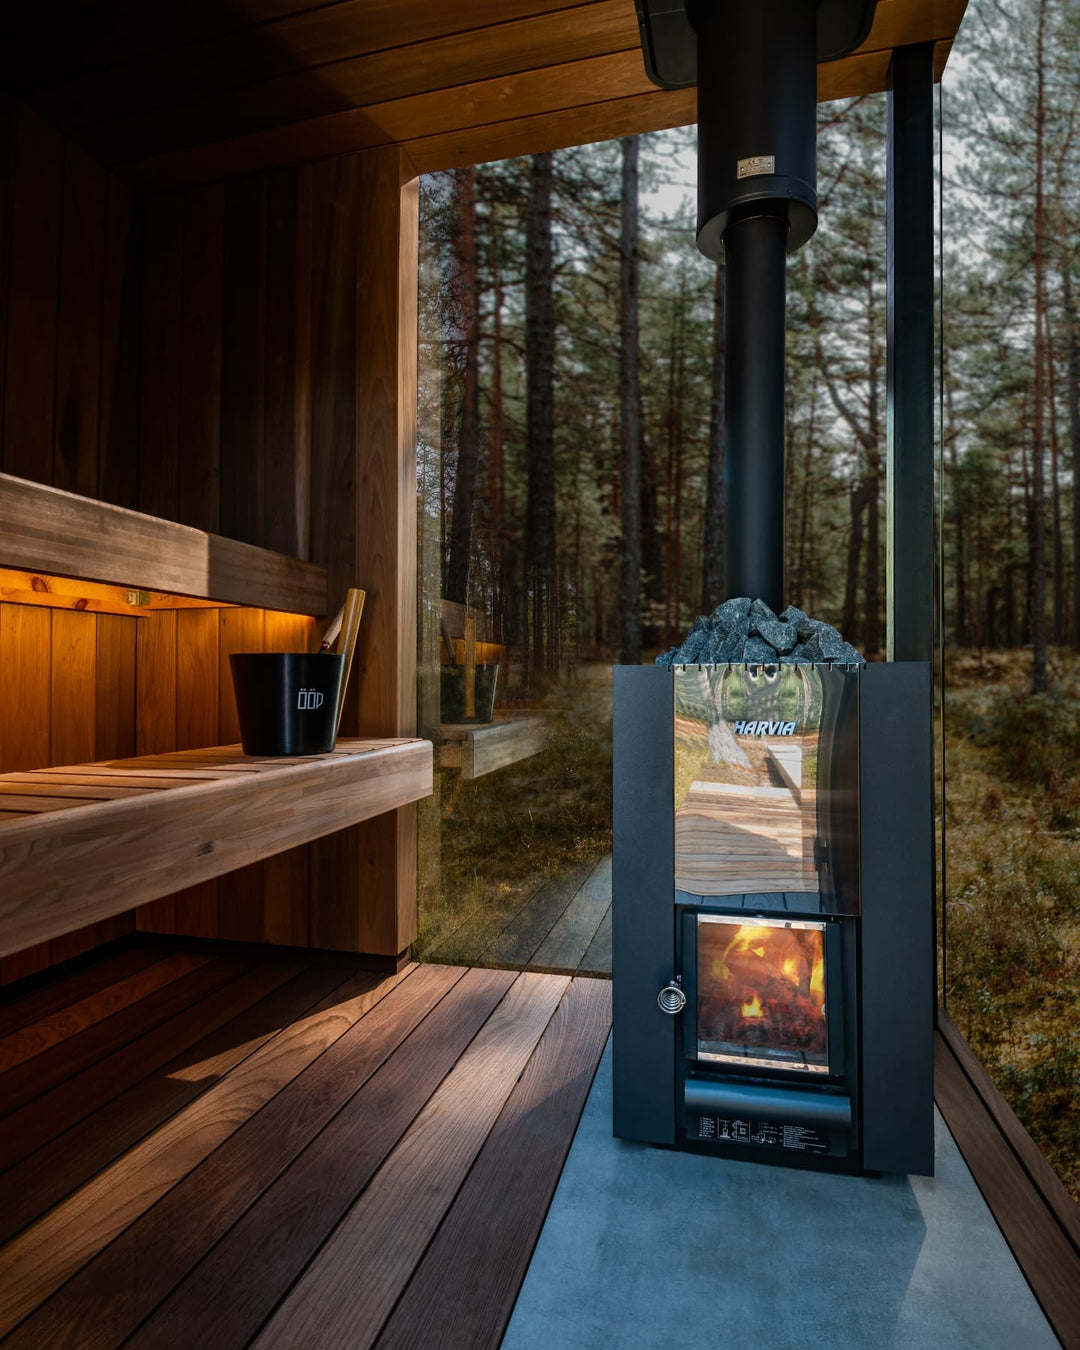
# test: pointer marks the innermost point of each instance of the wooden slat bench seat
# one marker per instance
(483, 748)
(83, 842)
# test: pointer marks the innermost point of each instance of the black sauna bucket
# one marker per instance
(288, 702)
(452, 704)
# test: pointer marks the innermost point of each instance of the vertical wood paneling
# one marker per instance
(243, 365)
(26, 659)
(114, 692)
(159, 421)
(196, 908)
(121, 336)
(155, 703)
(78, 344)
(8, 123)
(279, 523)
(34, 268)
(73, 684)
(200, 359)
(72, 724)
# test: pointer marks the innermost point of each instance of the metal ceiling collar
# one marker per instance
(669, 43)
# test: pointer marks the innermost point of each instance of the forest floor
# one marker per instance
(1012, 952)
(541, 824)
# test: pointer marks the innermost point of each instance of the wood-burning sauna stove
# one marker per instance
(773, 912)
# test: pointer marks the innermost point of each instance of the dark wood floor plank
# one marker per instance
(54, 1172)
(231, 986)
(565, 947)
(114, 1293)
(350, 1288)
(71, 1021)
(464, 1290)
(1049, 1185)
(597, 960)
(36, 1076)
(226, 1298)
(48, 1253)
(22, 1009)
(1044, 1253)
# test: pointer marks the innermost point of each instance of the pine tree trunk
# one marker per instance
(629, 414)
(856, 501)
(1037, 519)
(464, 290)
(540, 414)
(712, 581)
(497, 444)
(1057, 547)
(1073, 364)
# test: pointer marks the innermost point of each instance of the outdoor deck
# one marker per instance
(214, 1151)
(564, 925)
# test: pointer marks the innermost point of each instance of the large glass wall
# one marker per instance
(1010, 518)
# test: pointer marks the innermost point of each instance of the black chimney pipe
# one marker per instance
(757, 199)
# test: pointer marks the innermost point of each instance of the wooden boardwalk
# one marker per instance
(564, 926)
(208, 1150)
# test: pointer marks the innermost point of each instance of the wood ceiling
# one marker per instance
(189, 92)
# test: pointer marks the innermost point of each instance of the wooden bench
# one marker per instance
(476, 749)
(82, 843)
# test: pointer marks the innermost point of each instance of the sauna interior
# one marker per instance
(225, 364)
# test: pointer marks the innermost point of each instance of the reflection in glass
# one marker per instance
(746, 764)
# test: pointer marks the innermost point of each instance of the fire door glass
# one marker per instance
(761, 992)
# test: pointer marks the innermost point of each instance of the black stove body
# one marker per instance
(773, 913)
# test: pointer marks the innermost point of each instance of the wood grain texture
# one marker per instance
(411, 1129)
(32, 297)
(28, 1008)
(295, 1215)
(121, 321)
(160, 991)
(159, 375)
(220, 995)
(61, 874)
(44, 1255)
(1044, 1251)
(464, 1289)
(477, 750)
(44, 529)
(508, 86)
(84, 224)
(200, 359)
(58, 1169)
(225, 1186)
(1043, 1177)
(350, 1288)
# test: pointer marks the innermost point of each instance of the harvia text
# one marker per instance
(763, 728)
(309, 699)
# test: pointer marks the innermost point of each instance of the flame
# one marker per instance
(753, 1008)
(791, 968)
(817, 980)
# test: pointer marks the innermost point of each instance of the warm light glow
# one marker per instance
(763, 986)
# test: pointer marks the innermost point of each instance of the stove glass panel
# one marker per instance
(761, 993)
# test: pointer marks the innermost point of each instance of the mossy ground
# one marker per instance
(1012, 864)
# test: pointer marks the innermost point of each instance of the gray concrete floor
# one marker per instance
(648, 1248)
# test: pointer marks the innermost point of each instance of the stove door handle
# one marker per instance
(672, 999)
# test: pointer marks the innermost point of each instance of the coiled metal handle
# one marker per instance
(671, 999)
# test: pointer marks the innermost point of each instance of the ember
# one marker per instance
(762, 987)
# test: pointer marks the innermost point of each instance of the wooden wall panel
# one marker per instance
(37, 184)
(83, 231)
(199, 484)
(121, 337)
(231, 357)
(159, 402)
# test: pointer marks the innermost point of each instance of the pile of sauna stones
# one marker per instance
(747, 630)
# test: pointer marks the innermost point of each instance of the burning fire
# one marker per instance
(762, 986)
